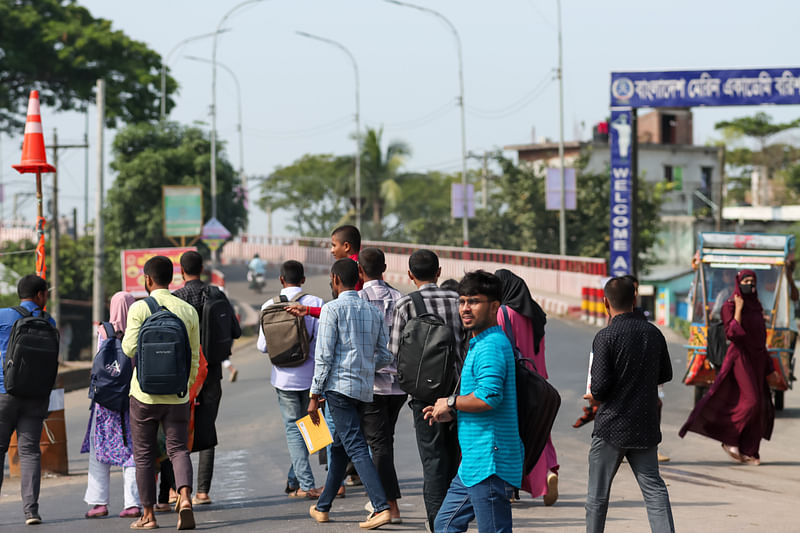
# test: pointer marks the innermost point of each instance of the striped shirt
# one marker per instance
(490, 442)
(438, 302)
(381, 295)
(351, 344)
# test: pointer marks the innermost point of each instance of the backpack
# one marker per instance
(537, 403)
(163, 353)
(426, 356)
(32, 355)
(218, 325)
(286, 334)
(110, 383)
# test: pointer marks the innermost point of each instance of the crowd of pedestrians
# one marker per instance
(446, 351)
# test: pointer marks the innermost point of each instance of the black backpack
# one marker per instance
(717, 344)
(163, 353)
(426, 356)
(286, 335)
(31, 356)
(537, 403)
(218, 326)
(110, 383)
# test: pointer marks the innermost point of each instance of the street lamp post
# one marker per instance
(166, 61)
(465, 219)
(562, 215)
(358, 116)
(242, 176)
(214, 103)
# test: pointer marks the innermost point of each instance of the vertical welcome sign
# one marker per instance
(621, 134)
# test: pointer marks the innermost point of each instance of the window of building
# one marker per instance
(668, 173)
(669, 127)
(706, 175)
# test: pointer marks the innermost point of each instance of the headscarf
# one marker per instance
(751, 303)
(517, 296)
(120, 303)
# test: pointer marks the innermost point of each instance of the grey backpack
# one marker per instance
(286, 335)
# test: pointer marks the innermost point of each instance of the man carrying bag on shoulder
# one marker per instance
(163, 335)
(24, 394)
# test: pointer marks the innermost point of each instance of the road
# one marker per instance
(708, 492)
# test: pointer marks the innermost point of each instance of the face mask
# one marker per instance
(747, 289)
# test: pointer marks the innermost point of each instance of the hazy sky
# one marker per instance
(298, 95)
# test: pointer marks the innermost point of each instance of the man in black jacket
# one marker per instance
(630, 361)
(195, 293)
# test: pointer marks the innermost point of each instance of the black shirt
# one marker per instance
(630, 361)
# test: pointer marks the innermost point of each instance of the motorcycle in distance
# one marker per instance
(256, 281)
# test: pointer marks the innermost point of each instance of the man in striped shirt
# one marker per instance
(379, 417)
(486, 402)
(438, 443)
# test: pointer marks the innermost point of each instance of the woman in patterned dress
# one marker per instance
(104, 441)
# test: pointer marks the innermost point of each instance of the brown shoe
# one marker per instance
(552, 489)
(318, 515)
(376, 520)
(662, 458)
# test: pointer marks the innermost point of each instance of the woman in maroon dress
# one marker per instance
(738, 409)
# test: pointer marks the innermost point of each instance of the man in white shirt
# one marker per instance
(292, 384)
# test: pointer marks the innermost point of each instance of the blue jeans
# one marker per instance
(294, 406)
(348, 440)
(604, 460)
(488, 502)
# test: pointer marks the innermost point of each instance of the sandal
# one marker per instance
(162, 508)
(144, 524)
(186, 518)
(734, 455)
(310, 494)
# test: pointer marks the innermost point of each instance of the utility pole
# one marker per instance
(562, 214)
(485, 180)
(55, 232)
(97, 285)
(85, 176)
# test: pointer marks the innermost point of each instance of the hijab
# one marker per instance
(517, 296)
(120, 303)
(751, 303)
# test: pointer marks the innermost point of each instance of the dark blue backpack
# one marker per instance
(163, 353)
(111, 373)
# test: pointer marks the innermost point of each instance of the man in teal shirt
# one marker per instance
(488, 431)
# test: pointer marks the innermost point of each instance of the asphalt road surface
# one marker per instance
(708, 492)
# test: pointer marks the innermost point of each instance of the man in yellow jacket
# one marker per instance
(171, 411)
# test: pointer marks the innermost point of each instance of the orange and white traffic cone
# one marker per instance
(34, 158)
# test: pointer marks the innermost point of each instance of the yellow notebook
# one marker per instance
(316, 437)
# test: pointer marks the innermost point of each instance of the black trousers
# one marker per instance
(378, 419)
(205, 431)
(440, 455)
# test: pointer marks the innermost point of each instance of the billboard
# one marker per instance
(133, 262)
(621, 260)
(183, 210)
(552, 189)
(457, 200)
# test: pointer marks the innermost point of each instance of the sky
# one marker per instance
(298, 95)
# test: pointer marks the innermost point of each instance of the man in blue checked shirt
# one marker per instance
(351, 344)
(486, 402)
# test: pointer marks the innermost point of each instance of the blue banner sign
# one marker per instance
(689, 88)
(621, 228)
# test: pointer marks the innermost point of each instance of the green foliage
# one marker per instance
(147, 156)
(75, 262)
(759, 126)
(380, 187)
(314, 188)
(57, 47)
(681, 326)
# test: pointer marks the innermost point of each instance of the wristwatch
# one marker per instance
(451, 401)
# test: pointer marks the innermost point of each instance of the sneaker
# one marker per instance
(376, 520)
(97, 511)
(131, 512)
(552, 489)
(31, 519)
(318, 515)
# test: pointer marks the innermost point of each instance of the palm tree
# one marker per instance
(379, 177)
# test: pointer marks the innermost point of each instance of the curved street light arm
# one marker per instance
(352, 58)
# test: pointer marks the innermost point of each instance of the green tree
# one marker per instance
(147, 156)
(379, 179)
(57, 47)
(314, 189)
